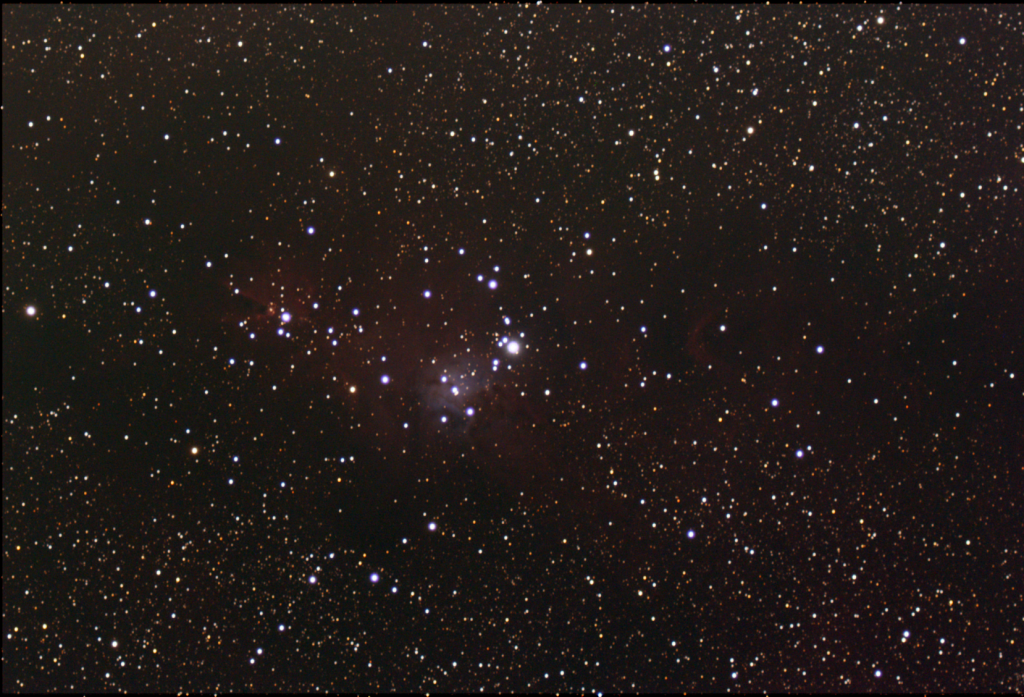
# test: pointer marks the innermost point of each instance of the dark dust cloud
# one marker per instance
(512, 348)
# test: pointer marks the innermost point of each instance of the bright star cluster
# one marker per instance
(512, 348)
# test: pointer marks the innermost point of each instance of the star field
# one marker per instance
(522, 348)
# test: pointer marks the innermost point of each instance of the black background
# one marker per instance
(179, 460)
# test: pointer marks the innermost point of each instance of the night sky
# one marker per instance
(513, 348)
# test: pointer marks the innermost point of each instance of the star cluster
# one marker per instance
(512, 348)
